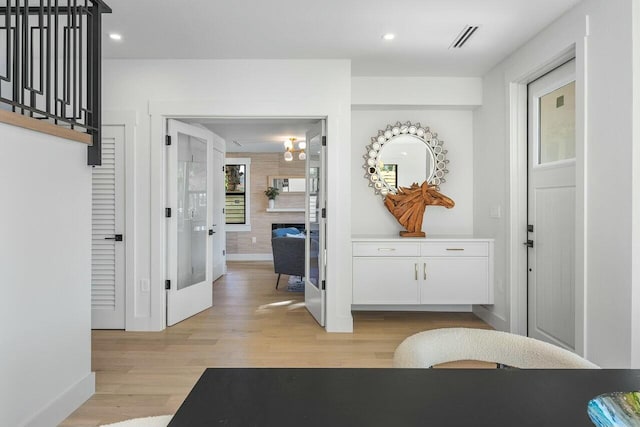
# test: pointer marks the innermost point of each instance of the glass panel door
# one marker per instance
(314, 293)
(189, 182)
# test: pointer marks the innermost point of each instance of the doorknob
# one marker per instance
(528, 243)
(117, 238)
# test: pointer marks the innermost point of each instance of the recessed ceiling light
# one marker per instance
(389, 36)
(115, 36)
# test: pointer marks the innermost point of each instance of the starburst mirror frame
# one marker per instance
(436, 155)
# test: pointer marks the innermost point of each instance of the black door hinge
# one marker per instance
(167, 140)
(324, 140)
(167, 284)
(324, 285)
(530, 228)
(223, 169)
(324, 212)
(224, 252)
(167, 212)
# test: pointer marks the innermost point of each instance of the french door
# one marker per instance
(552, 207)
(315, 219)
(189, 221)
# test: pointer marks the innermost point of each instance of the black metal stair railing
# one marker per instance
(50, 63)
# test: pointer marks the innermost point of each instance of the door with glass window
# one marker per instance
(552, 207)
(315, 250)
(189, 221)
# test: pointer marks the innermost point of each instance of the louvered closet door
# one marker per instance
(107, 253)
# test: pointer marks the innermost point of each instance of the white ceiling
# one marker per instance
(256, 135)
(332, 29)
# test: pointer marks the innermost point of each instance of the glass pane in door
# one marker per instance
(192, 211)
(558, 124)
(313, 254)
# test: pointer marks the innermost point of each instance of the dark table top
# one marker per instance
(398, 397)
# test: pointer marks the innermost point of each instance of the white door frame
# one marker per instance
(129, 120)
(517, 227)
(339, 318)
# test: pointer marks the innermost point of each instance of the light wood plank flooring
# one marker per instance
(250, 325)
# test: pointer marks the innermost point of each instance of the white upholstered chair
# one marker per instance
(425, 349)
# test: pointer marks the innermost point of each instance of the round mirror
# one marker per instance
(404, 154)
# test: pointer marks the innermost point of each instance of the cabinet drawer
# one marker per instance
(454, 249)
(386, 249)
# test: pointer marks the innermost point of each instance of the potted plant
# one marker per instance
(271, 193)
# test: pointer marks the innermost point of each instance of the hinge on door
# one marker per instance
(167, 284)
(223, 169)
(324, 212)
(224, 252)
(167, 212)
(167, 140)
(324, 140)
(222, 210)
(324, 285)
(530, 228)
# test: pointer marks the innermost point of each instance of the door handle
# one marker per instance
(416, 270)
(117, 238)
(425, 271)
(528, 243)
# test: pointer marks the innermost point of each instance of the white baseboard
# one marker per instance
(249, 257)
(62, 406)
(417, 307)
(497, 322)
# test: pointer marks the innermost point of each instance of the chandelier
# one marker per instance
(289, 149)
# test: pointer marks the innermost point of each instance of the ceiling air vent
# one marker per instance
(464, 36)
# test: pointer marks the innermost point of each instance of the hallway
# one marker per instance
(251, 324)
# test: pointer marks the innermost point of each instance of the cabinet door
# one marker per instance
(386, 280)
(454, 280)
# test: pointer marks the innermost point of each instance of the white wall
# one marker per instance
(455, 128)
(45, 260)
(605, 72)
(236, 88)
(416, 91)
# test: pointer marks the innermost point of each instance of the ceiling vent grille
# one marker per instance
(464, 36)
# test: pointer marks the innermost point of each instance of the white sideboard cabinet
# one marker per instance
(428, 271)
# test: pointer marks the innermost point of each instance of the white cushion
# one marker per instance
(159, 421)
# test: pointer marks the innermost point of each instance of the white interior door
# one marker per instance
(107, 239)
(315, 250)
(552, 207)
(189, 196)
(218, 238)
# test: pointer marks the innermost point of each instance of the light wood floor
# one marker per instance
(250, 325)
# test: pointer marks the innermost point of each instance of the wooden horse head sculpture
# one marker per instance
(409, 204)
